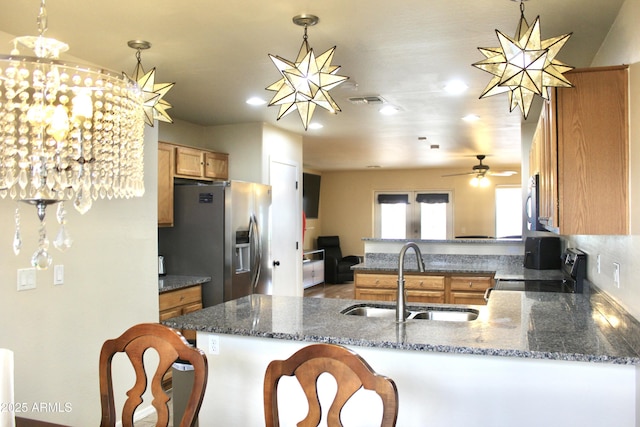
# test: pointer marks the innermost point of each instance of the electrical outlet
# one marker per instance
(26, 279)
(214, 344)
(616, 274)
(598, 263)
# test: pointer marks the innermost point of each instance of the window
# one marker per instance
(413, 215)
(508, 211)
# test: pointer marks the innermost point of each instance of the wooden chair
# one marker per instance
(350, 371)
(170, 345)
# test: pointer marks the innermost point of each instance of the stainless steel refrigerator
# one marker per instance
(220, 230)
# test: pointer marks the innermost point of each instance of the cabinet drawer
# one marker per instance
(170, 313)
(385, 281)
(471, 283)
(180, 297)
(424, 282)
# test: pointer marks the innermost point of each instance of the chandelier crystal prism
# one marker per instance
(524, 66)
(305, 83)
(67, 133)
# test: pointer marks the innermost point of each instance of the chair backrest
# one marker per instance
(170, 345)
(331, 246)
(350, 371)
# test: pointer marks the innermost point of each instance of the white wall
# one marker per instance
(111, 283)
(621, 47)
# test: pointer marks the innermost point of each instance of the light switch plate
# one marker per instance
(58, 274)
(616, 274)
(26, 279)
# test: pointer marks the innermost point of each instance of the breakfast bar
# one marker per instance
(525, 353)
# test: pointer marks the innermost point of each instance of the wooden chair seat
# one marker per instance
(170, 345)
(351, 373)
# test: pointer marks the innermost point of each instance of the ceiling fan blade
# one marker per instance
(503, 173)
(461, 174)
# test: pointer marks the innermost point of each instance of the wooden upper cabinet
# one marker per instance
(165, 184)
(189, 163)
(593, 146)
(201, 164)
(581, 149)
(216, 165)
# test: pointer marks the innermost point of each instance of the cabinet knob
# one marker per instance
(470, 284)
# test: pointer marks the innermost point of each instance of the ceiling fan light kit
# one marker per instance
(524, 66)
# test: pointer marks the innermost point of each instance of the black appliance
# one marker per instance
(542, 253)
(531, 207)
(574, 271)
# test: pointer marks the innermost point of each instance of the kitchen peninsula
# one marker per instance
(529, 359)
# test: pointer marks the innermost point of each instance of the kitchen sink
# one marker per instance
(446, 314)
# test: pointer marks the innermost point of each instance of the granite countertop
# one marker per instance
(174, 282)
(505, 267)
(573, 327)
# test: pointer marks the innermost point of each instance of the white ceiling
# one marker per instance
(404, 51)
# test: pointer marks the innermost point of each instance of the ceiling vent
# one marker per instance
(372, 99)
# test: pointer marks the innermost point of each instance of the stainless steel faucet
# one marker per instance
(401, 299)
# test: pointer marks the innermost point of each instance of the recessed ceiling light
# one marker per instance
(256, 101)
(388, 110)
(315, 125)
(471, 118)
(456, 87)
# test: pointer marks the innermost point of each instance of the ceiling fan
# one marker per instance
(481, 171)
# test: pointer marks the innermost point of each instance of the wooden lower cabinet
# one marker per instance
(179, 302)
(383, 287)
(447, 288)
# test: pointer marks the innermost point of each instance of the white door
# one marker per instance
(286, 229)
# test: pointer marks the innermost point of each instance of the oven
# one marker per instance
(574, 267)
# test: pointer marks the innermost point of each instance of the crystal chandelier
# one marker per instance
(306, 82)
(524, 66)
(67, 133)
(155, 107)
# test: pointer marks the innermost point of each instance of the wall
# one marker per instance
(111, 283)
(181, 132)
(621, 47)
(347, 201)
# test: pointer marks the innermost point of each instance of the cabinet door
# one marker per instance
(216, 165)
(593, 152)
(468, 298)
(189, 162)
(434, 297)
(165, 184)
(375, 294)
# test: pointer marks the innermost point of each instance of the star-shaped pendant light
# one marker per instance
(525, 65)
(155, 107)
(306, 82)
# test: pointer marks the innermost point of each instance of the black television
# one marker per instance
(310, 194)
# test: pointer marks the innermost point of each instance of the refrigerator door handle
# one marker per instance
(256, 247)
